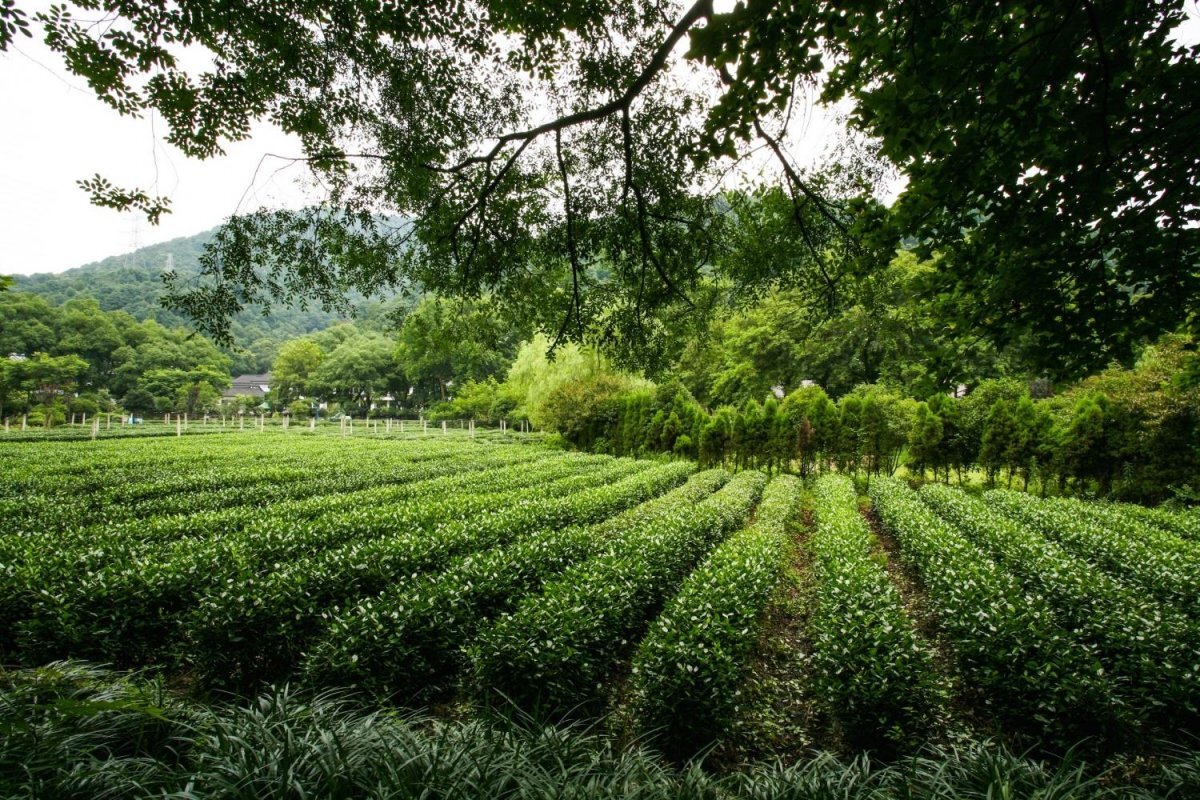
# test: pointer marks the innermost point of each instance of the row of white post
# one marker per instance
(182, 422)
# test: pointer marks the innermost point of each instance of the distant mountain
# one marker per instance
(133, 283)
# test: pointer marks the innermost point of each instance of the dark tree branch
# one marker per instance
(1106, 74)
(572, 245)
(648, 254)
(702, 9)
(796, 181)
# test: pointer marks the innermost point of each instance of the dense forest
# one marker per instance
(133, 283)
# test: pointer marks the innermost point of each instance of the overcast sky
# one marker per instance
(55, 132)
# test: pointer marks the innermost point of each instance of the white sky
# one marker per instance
(55, 132)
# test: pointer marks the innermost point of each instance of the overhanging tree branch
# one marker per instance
(701, 10)
(572, 245)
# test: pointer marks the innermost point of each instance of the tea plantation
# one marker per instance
(337, 583)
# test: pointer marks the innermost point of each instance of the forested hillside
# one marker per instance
(130, 282)
(133, 283)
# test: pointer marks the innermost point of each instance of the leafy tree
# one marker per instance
(1033, 442)
(482, 401)
(954, 449)
(9, 384)
(635, 420)
(924, 439)
(48, 381)
(299, 410)
(185, 391)
(27, 324)
(585, 411)
(47, 377)
(1048, 151)
(999, 432)
(444, 341)
(85, 330)
(140, 402)
(976, 407)
(533, 378)
(330, 338)
(360, 369)
(150, 346)
(884, 421)
(1141, 443)
(294, 367)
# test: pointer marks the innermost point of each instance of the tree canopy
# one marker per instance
(568, 156)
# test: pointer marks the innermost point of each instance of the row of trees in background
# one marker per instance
(1131, 433)
(1127, 433)
(436, 348)
(76, 358)
(133, 283)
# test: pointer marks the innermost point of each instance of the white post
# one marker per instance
(24, 418)
(95, 428)
(241, 422)
(424, 427)
(402, 426)
(108, 421)
(84, 421)
(444, 427)
(312, 423)
(6, 424)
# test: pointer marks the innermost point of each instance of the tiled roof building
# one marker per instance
(249, 386)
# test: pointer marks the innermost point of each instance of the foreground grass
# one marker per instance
(73, 731)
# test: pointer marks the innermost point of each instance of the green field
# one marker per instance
(691, 610)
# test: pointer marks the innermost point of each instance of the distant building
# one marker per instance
(255, 386)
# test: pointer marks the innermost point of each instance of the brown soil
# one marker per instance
(962, 710)
(779, 718)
